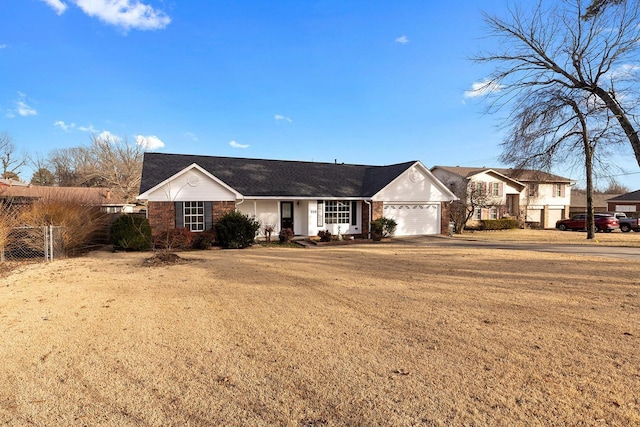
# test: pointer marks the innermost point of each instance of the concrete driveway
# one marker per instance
(631, 253)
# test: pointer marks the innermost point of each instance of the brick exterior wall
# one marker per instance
(445, 218)
(377, 210)
(222, 208)
(162, 215)
(365, 220)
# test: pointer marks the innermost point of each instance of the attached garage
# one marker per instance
(554, 216)
(414, 218)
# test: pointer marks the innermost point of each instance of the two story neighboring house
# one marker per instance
(532, 196)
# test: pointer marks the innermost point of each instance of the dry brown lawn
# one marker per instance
(365, 335)
(615, 238)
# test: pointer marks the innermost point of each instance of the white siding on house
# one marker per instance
(413, 201)
(546, 196)
(191, 186)
(414, 185)
(265, 211)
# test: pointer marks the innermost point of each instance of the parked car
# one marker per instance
(603, 222)
(626, 223)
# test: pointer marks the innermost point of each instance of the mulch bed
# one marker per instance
(164, 258)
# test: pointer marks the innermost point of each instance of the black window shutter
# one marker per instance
(208, 215)
(179, 214)
(354, 213)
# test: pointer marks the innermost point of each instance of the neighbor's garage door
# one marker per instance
(554, 215)
(414, 218)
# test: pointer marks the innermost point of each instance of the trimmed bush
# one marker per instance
(204, 239)
(235, 230)
(174, 238)
(325, 235)
(499, 224)
(383, 227)
(286, 235)
(131, 233)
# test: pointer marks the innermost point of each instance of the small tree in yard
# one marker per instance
(471, 196)
(235, 230)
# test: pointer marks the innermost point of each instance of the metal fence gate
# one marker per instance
(33, 243)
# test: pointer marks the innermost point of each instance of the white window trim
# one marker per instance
(341, 209)
(194, 221)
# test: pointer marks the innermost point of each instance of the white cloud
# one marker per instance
(126, 14)
(279, 117)
(236, 145)
(191, 135)
(89, 128)
(107, 136)
(58, 6)
(4, 46)
(22, 108)
(482, 88)
(402, 40)
(64, 126)
(149, 142)
(25, 110)
(623, 72)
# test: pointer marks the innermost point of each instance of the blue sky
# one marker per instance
(368, 82)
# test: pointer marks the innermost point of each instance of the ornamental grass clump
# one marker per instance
(82, 223)
(7, 222)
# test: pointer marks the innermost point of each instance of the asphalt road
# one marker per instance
(630, 253)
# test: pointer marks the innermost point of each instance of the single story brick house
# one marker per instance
(194, 191)
(628, 203)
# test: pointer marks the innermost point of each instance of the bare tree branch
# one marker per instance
(10, 161)
(555, 48)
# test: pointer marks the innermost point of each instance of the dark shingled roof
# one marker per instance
(258, 177)
(522, 175)
(633, 196)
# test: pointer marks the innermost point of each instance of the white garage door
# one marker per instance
(554, 215)
(414, 219)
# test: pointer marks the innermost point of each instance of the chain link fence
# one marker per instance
(33, 243)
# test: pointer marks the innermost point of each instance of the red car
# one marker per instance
(603, 222)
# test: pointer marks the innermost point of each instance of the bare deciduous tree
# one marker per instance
(471, 196)
(556, 124)
(115, 163)
(107, 162)
(615, 187)
(10, 160)
(552, 47)
(597, 6)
